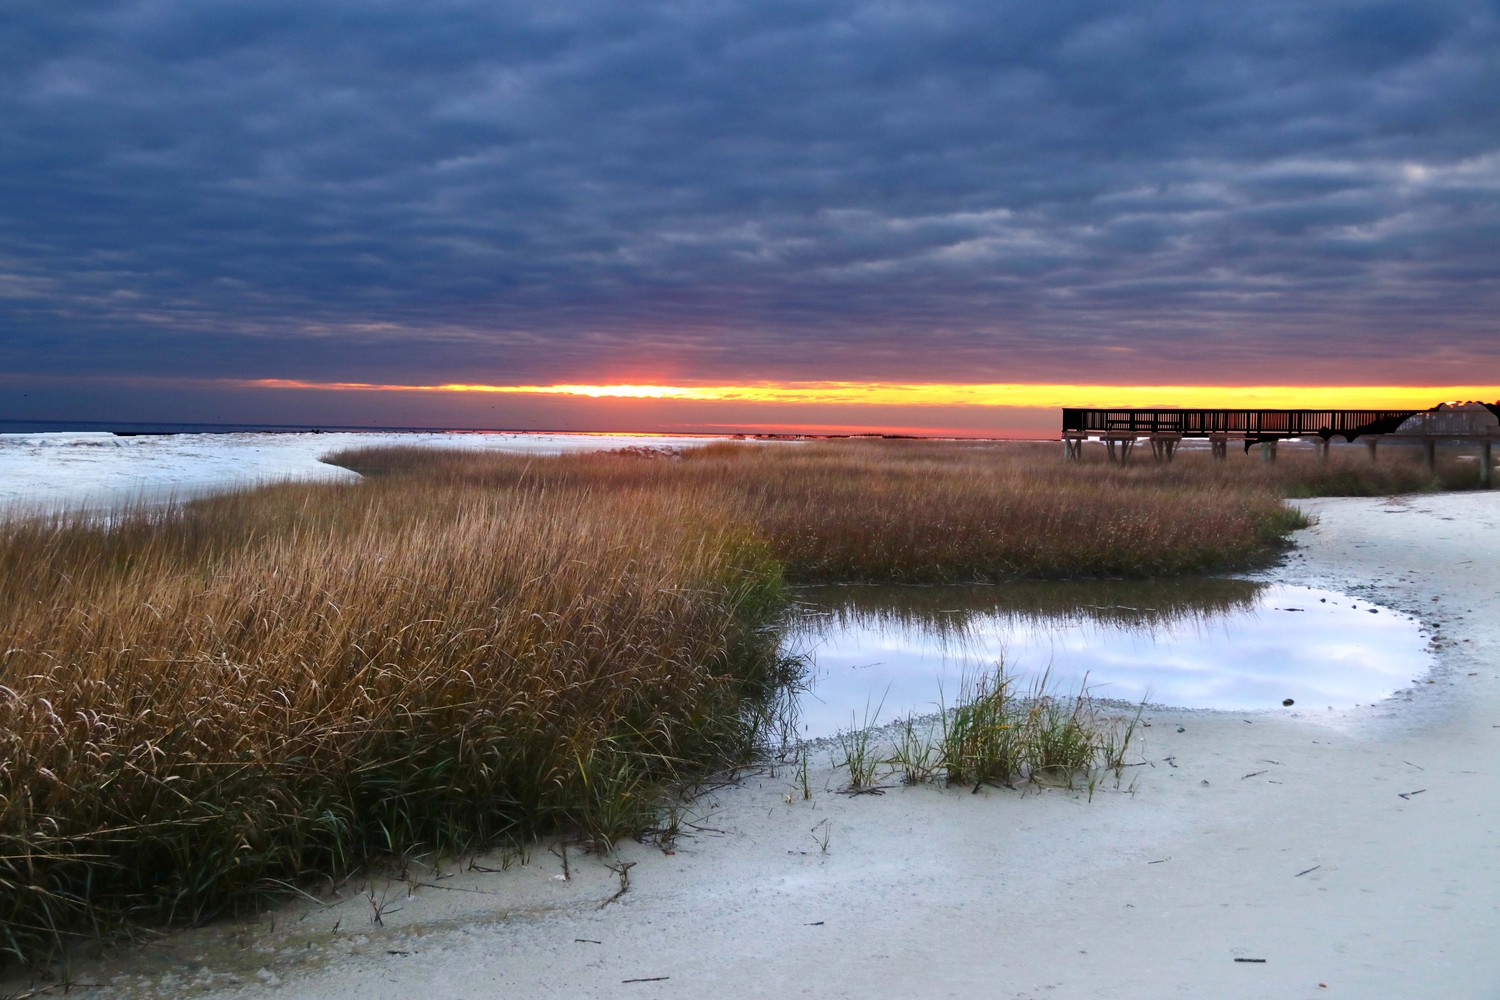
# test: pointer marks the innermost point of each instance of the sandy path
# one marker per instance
(1279, 837)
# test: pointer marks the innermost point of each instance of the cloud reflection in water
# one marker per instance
(1219, 644)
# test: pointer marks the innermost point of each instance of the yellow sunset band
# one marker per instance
(1277, 397)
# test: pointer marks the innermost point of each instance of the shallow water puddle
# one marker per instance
(876, 654)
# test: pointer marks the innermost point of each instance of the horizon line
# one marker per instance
(929, 394)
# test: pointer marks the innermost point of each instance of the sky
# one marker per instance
(944, 216)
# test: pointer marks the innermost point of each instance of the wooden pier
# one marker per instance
(1120, 429)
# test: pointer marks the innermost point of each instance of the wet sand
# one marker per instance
(1245, 855)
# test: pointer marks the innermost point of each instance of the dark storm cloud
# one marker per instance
(956, 190)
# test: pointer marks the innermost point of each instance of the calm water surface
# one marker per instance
(880, 653)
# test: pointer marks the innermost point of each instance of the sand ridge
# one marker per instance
(1287, 853)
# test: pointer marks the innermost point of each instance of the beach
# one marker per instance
(1287, 853)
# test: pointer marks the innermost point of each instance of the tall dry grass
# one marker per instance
(903, 512)
(202, 705)
(914, 511)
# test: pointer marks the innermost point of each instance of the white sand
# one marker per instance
(1281, 836)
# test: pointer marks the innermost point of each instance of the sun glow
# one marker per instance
(959, 394)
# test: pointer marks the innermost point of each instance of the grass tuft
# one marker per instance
(994, 737)
(857, 747)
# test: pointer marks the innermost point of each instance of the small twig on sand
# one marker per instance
(455, 888)
(567, 871)
(706, 829)
(1408, 795)
(1306, 870)
(624, 872)
(379, 909)
(652, 979)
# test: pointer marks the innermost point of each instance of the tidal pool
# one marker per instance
(876, 654)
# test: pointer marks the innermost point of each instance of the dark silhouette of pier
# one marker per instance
(1120, 428)
(1253, 426)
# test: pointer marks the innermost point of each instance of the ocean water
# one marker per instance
(130, 427)
(55, 466)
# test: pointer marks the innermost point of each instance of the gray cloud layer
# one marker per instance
(954, 190)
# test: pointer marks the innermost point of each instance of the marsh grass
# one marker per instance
(858, 750)
(915, 759)
(204, 705)
(993, 736)
(929, 512)
(887, 512)
(980, 741)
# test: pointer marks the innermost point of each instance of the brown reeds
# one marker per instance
(202, 705)
(900, 512)
(911, 511)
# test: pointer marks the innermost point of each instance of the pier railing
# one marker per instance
(1248, 425)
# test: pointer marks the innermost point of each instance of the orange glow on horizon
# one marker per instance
(872, 430)
(882, 394)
